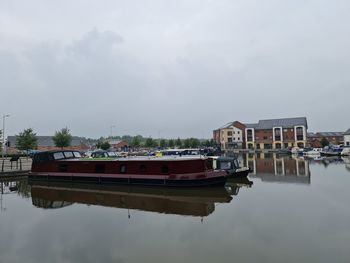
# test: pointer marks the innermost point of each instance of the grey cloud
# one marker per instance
(154, 69)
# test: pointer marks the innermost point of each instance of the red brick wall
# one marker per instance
(260, 134)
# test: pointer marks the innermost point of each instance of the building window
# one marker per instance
(265, 137)
(229, 133)
(238, 132)
(277, 132)
(229, 139)
(300, 133)
(249, 135)
(347, 143)
(267, 146)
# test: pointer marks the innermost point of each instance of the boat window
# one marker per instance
(215, 164)
(225, 165)
(63, 167)
(68, 154)
(165, 169)
(58, 156)
(100, 168)
(209, 164)
(111, 154)
(143, 168)
(123, 168)
(43, 157)
(77, 154)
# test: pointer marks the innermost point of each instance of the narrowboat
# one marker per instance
(183, 171)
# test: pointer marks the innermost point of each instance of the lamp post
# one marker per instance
(3, 133)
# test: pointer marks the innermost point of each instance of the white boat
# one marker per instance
(297, 150)
(315, 152)
(345, 151)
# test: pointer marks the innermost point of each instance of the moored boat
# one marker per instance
(182, 171)
(332, 150)
(315, 152)
(231, 165)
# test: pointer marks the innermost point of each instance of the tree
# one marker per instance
(105, 145)
(324, 142)
(150, 143)
(62, 138)
(187, 143)
(136, 142)
(171, 143)
(163, 143)
(178, 143)
(26, 140)
(194, 143)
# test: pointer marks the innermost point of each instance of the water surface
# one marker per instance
(290, 210)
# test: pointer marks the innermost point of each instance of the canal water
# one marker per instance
(289, 210)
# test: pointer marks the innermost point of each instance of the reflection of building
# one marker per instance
(284, 169)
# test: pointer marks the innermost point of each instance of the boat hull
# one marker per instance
(204, 179)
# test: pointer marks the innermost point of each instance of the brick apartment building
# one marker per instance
(230, 136)
(266, 134)
(347, 138)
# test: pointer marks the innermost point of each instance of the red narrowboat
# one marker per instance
(185, 171)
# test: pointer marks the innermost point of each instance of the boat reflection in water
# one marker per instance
(281, 169)
(180, 201)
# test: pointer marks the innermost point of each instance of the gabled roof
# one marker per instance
(284, 123)
(46, 141)
(230, 124)
(330, 134)
(347, 132)
(227, 125)
(251, 125)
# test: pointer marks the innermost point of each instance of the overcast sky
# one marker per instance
(172, 68)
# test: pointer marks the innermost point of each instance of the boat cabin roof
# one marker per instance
(56, 155)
